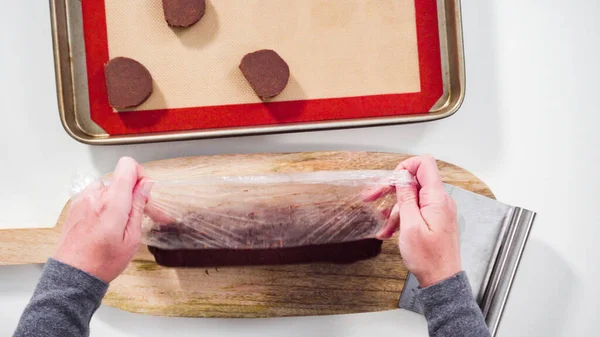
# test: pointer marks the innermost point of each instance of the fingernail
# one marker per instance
(146, 188)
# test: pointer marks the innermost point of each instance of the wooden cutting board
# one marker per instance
(257, 291)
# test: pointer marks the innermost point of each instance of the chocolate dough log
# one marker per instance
(268, 227)
(266, 71)
(341, 253)
(207, 239)
(183, 13)
(128, 82)
(296, 224)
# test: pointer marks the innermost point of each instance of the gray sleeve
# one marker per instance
(451, 310)
(63, 303)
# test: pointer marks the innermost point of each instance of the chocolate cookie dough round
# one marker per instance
(266, 71)
(183, 13)
(128, 82)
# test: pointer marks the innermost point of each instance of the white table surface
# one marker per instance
(528, 128)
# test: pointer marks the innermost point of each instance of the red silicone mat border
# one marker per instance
(255, 114)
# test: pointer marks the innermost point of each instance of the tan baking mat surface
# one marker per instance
(334, 48)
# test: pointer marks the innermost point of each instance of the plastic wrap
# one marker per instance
(268, 211)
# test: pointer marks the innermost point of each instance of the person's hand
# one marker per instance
(426, 217)
(103, 227)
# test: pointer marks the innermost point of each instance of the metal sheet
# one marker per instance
(71, 79)
(493, 237)
(506, 264)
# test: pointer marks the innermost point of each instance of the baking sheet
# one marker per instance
(374, 62)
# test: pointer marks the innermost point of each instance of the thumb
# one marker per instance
(408, 205)
(141, 193)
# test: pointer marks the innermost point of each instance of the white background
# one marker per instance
(528, 128)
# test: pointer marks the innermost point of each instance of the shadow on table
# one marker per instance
(384, 323)
(476, 129)
(19, 279)
(393, 138)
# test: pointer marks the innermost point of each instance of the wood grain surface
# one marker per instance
(257, 291)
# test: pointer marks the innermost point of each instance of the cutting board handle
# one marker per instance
(28, 245)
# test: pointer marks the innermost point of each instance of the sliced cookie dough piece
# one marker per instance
(128, 82)
(183, 13)
(266, 71)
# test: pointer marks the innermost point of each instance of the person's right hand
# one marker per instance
(426, 217)
(103, 228)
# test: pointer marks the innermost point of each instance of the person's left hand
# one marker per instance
(103, 228)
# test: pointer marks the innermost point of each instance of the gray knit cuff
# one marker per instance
(62, 275)
(454, 289)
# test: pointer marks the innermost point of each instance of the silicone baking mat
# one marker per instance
(348, 59)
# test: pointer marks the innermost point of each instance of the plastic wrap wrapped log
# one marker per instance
(304, 239)
(296, 224)
(287, 227)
